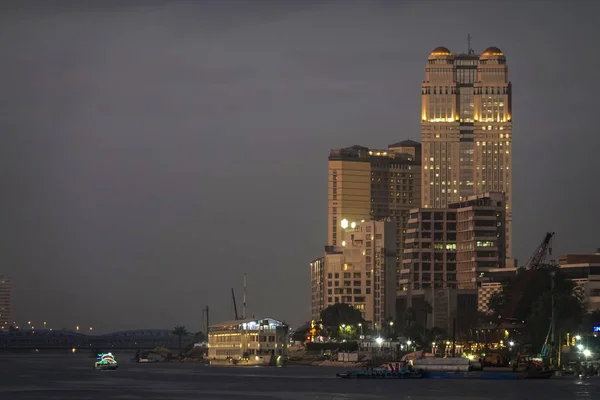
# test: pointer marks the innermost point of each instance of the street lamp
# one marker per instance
(587, 353)
(361, 331)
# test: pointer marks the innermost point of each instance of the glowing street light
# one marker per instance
(379, 340)
(587, 353)
(511, 344)
(580, 347)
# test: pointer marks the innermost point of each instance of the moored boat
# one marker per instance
(381, 373)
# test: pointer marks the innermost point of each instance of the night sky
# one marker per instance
(151, 154)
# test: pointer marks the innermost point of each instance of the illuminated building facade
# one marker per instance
(466, 129)
(247, 339)
(5, 302)
(451, 247)
(361, 271)
(317, 290)
(371, 184)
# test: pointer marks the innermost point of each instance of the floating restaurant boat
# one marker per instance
(248, 342)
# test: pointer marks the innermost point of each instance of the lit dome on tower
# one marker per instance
(441, 51)
(492, 52)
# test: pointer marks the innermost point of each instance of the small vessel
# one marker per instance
(400, 370)
(106, 362)
(381, 373)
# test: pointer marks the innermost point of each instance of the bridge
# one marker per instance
(133, 339)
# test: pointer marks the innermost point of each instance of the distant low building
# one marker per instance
(242, 339)
(583, 269)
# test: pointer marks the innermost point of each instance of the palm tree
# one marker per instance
(179, 331)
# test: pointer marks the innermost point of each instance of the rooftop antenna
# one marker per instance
(469, 50)
(244, 307)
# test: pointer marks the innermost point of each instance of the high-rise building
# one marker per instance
(317, 289)
(360, 271)
(373, 184)
(466, 129)
(5, 302)
(446, 252)
(451, 247)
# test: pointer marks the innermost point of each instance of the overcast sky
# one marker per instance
(151, 154)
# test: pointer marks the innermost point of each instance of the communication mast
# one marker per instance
(469, 49)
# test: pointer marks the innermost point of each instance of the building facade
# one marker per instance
(466, 129)
(361, 271)
(369, 184)
(248, 338)
(451, 247)
(5, 302)
(582, 269)
(317, 289)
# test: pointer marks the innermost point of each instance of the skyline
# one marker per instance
(163, 153)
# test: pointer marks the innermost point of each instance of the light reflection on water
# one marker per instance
(72, 377)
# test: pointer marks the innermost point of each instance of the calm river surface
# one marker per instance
(67, 377)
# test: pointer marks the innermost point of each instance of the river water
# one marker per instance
(68, 377)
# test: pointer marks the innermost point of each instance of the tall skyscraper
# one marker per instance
(374, 184)
(5, 302)
(466, 129)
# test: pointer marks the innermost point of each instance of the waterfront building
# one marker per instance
(451, 247)
(248, 339)
(373, 184)
(5, 302)
(361, 270)
(466, 129)
(583, 269)
(446, 251)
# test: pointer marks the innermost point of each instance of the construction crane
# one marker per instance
(234, 304)
(539, 260)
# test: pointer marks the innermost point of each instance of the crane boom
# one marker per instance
(539, 257)
(234, 304)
